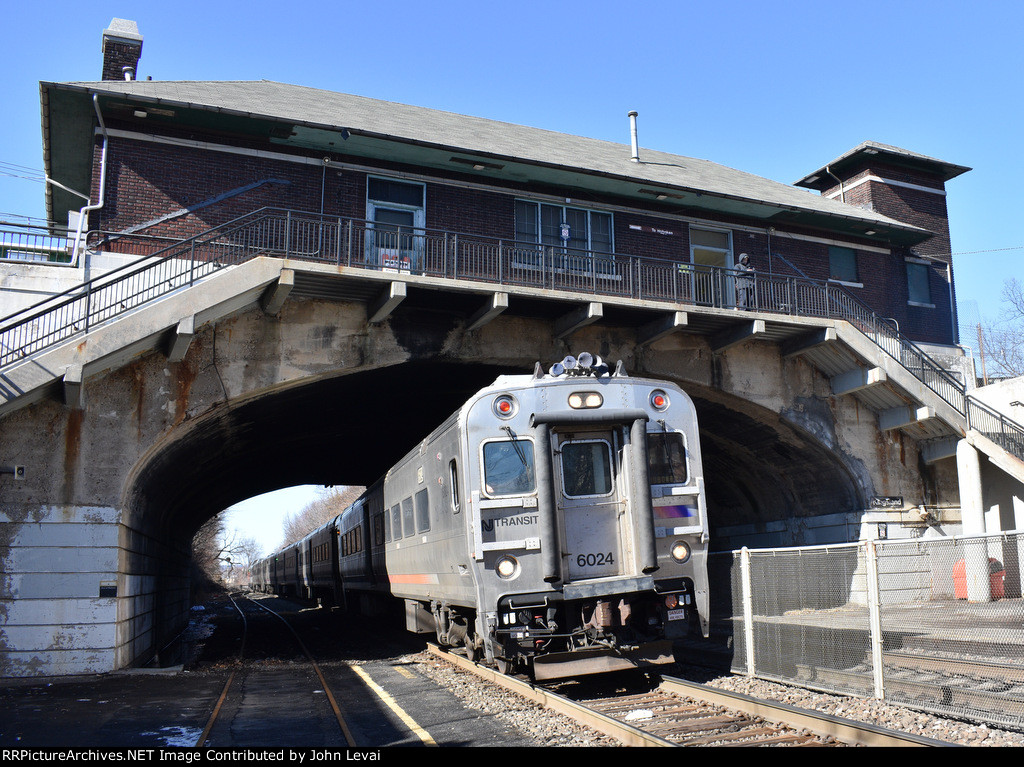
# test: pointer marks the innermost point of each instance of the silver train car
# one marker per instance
(555, 525)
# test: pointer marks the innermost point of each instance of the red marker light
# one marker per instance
(659, 400)
(504, 407)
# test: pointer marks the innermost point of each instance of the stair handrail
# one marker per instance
(75, 310)
(984, 418)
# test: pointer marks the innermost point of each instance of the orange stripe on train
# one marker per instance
(420, 578)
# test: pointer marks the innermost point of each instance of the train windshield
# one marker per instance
(586, 468)
(508, 467)
(666, 458)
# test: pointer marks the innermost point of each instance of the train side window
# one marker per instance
(666, 458)
(453, 471)
(408, 517)
(387, 525)
(508, 467)
(422, 512)
(586, 468)
(396, 522)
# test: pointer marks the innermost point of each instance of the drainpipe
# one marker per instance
(84, 212)
(842, 189)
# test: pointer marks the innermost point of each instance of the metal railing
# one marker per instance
(363, 244)
(35, 244)
(62, 316)
(928, 623)
(1006, 433)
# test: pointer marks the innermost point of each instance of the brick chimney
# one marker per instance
(122, 48)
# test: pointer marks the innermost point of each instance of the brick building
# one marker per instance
(171, 159)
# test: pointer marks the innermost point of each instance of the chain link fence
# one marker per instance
(933, 624)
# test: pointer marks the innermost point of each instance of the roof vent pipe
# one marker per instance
(129, 73)
(632, 133)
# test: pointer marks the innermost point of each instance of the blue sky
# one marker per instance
(776, 89)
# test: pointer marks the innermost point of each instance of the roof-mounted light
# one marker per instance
(583, 365)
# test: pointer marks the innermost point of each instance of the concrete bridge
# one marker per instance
(134, 408)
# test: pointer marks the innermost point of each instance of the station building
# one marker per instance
(168, 160)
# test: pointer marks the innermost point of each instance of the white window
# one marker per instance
(577, 229)
(710, 251)
(395, 211)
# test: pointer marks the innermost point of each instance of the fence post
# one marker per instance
(337, 242)
(88, 304)
(748, 609)
(874, 616)
(348, 242)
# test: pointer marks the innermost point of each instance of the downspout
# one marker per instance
(842, 188)
(84, 212)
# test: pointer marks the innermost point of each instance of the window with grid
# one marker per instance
(542, 224)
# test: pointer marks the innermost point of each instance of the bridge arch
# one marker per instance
(261, 401)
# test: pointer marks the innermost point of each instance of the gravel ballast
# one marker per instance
(550, 729)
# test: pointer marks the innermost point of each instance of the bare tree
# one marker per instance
(221, 557)
(1001, 342)
(320, 511)
(206, 553)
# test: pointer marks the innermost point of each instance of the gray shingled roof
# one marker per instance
(314, 108)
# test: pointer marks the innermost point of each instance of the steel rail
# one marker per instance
(231, 678)
(626, 733)
(349, 738)
(844, 730)
(780, 714)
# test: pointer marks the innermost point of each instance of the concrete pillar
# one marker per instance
(972, 510)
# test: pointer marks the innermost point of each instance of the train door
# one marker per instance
(590, 503)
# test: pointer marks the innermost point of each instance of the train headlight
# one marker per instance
(659, 400)
(507, 567)
(505, 406)
(581, 400)
(680, 552)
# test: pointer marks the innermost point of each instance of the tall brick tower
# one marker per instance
(903, 185)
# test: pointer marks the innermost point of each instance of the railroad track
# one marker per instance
(681, 713)
(345, 732)
(985, 691)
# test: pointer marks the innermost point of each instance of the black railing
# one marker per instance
(363, 244)
(1006, 433)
